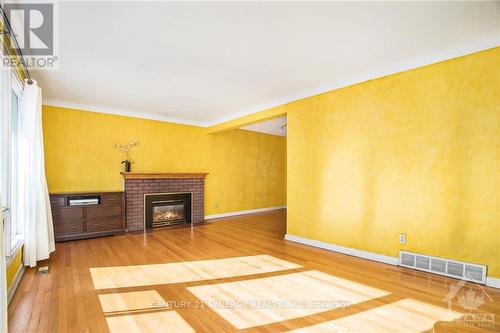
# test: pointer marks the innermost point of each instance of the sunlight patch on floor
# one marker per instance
(268, 300)
(136, 300)
(145, 275)
(167, 321)
(404, 316)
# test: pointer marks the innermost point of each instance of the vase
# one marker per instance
(127, 166)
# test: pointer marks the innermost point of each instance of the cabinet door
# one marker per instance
(105, 223)
(103, 211)
(68, 228)
(67, 214)
(112, 199)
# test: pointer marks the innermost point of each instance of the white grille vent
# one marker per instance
(476, 273)
(423, 263)
(407, 259)
(442, 266)
(455, 269)
(438, 265)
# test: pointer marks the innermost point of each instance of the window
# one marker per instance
(15, 105)
(10, 93)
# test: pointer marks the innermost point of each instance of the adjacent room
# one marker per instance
(250, 166)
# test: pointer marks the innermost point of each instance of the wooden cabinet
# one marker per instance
(95, 215)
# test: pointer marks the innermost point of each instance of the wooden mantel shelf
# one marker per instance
(163, 175)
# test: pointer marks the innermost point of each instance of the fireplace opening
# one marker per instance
(167, 209)
(168, 212)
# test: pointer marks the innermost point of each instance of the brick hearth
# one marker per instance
(138, 184)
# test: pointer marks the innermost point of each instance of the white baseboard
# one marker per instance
(490, 281)
(15, 283)
(493, 282)
(243, 212)
(345, 250)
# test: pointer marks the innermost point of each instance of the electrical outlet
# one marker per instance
(402, 238)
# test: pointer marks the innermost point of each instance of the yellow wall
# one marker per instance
(247, 120)
(246, 168)
(415, 153)
(13, 267)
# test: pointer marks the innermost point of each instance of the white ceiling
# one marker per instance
(272, 126)
(202, 63)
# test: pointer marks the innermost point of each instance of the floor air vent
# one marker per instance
(441, 266)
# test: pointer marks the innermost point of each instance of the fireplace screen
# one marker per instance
(162, 209)
(165, 213)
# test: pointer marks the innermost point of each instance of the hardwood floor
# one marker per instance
(236, 274)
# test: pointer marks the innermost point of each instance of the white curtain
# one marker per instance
(3, 280)
(33, 208)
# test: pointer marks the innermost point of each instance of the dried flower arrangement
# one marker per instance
(126, 149)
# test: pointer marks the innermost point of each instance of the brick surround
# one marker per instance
(136, 188)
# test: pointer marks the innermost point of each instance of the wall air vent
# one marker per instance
(423, 263)
(407, 259)
(452, 268)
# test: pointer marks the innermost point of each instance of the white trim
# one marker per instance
(15, 283)
(120, 112)
(16, 246)
(360, 77)
(490, 281)
(493, 282)
(345, 250)
(243, 212)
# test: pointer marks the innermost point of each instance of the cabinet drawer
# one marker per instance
(68, 228)
(103, 211)
(112, 199)
(57, 201)
(67, 214)
(103, 224)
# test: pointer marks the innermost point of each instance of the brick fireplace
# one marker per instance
(139, 186)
